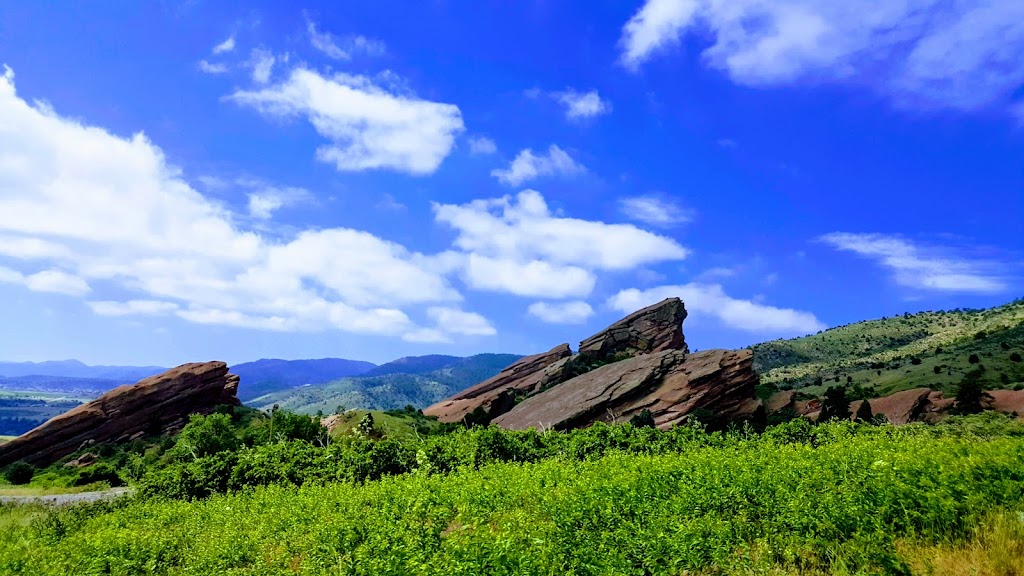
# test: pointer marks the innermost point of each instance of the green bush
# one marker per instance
(19, 473)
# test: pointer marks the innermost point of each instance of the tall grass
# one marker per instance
(850, 500)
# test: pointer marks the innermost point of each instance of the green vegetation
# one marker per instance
(930, 349)
(394, 389)
(838, 498)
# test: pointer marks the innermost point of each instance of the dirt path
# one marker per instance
(66, 499)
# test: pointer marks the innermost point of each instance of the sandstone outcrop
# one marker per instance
(156, 405)
(639, 363)
(670, 384)
(497, 395)
(653, 329)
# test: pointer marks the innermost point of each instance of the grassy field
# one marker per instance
(930, 349)
(840, 498)
(392, 423)
(6, 438)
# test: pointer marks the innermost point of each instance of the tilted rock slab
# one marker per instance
(497, 394)
(653, 329)
(670, 383)
(156, 405)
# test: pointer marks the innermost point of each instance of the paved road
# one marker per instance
(65, 499)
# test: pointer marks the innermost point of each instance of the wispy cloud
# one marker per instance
(262, 65)
(211, 68)
(225, 46)
(655, 210)
(482, 145)
(712, 301)
(528, 166)
(342, 48)
(572, 312)
(922, 53)
(933, 268)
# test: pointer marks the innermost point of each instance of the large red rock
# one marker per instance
(159, 404)
(670, 384)
(653, 329)
(497, 395)
(902, 407)
(1007, 401)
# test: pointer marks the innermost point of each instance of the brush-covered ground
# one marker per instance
(227, 496)
(930, 349)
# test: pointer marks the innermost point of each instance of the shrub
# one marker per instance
(203, 436)
(19, 473)
(1015, 357)
(642, 419)
(973, 359)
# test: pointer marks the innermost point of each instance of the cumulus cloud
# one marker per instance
(573, 312)
(225, 46)
(654, 210)
(79, 204)
(711, 300)
(580, 105)
(931, 268)
(516, 245)
(342, 49)
(367, 126)
(529, 166)
(482, 145)
(921, 52)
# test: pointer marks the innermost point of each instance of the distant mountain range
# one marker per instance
(76, 369)
(269, 376)
(419, 381)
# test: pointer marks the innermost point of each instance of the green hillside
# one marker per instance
(389, 391)
(933, 349)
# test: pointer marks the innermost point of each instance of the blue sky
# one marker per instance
(184, 181)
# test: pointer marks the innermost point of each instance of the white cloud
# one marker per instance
(389, 202)
(921, 52)
(711, 300)
(455, 321)
(427, 336)
(920, 267)
(574, 312)
(535, 278)
(268, 199)
(52, 281)
(368, 127)
(92, 206)
(209, 68)
(225, 46)
(329, 45)
(528, 166)
(516, 245)
(582, 104)
(654, 210)
(262, 65)
(524, 229)
(133, 308)
(482, 145)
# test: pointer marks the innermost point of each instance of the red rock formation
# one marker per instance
(653, 329)
(670, 384)
(156, 405)
(1007, 401)
(497, 395)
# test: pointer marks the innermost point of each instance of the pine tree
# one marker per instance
(834, 406)
(864, 412)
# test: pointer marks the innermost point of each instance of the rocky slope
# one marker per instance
(158, 404)
(639, 363)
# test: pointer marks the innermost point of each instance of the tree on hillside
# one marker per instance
(835, 405)
(970, 393)
(643, 419)
(973, 359)
(864, 413)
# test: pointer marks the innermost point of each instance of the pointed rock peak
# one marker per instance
(653, 329)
